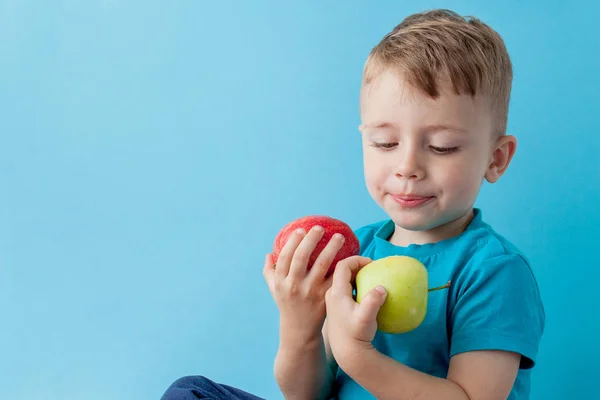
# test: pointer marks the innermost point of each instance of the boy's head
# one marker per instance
(434, 106)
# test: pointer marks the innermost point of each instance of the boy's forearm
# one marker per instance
(303, 373)
(386, 378)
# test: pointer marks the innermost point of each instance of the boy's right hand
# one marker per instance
(298, 292)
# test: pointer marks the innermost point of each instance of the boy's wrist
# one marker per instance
(291, 344)
(355, 355)
(290, 337)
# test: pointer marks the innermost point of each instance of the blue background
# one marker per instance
(150, 151)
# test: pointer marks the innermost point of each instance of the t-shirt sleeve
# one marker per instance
(498, 307)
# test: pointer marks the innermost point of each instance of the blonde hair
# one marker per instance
(441, 48)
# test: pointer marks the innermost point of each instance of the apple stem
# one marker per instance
(447, 285)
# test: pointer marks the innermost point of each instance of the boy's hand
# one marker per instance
(351, 326)
(300, 293)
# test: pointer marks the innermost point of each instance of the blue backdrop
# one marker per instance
(150, 151)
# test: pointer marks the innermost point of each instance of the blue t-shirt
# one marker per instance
(493, 303)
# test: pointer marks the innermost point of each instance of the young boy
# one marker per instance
(434, 105)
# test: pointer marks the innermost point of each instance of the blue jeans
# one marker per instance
(200, 387)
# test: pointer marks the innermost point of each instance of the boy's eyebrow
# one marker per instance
(444, 127)
(379, 125)
(426, 129)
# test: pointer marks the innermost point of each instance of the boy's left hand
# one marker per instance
(351, 326)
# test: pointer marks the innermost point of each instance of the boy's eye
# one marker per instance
(385, 145)
(444, 150)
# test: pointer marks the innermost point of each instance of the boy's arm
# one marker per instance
(331, 363)
(494, 333)
(306, 373)
(474, 375)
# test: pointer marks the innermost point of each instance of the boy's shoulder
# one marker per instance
(366, 233)
(487, 261)
(369, 230)
(484, 244)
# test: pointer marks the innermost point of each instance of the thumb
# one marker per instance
(370, 305)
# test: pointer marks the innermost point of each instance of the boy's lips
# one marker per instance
(410, 200)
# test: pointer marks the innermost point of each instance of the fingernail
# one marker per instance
(318, 228)
(380, 289)
(300, 231)
(339, 236)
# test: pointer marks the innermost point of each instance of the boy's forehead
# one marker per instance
(393, 90)
(389, 100)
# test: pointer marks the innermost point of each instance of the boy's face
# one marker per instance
(424, 159)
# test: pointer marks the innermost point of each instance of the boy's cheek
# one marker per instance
(371, 177)
(374, 190)
(379, 178)
(460, 186)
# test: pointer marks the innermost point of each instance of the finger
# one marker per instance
(304, 251)
(328, 282)
(368, 308)
(269, 272)
(344, 273)
(287, 252)
(327, 286)
(325, 258)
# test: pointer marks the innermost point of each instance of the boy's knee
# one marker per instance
(190, 381)
(194, 387)
(187, 388)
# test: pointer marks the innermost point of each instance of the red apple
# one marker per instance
(331, 226)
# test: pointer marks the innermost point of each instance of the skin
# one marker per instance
(441, 150)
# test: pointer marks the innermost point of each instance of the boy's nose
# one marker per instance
(415, 175)
(409, 167)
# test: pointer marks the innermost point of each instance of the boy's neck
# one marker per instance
(403, 237)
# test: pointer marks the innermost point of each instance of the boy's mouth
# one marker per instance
(410, 200)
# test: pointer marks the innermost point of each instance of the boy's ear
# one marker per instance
(502, 154)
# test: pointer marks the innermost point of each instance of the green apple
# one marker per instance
(405, 280)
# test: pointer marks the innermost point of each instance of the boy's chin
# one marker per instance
(413, 222)
(424, 221)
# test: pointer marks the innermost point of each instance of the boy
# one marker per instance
(434, 104)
